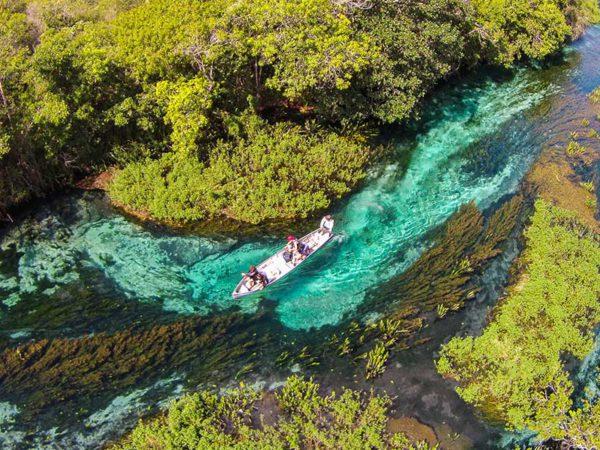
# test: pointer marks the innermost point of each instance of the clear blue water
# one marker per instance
(448, 167)
(476, 142)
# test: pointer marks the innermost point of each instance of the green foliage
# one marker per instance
(583, 426)
(375, 360)
(309, 44)
(420, 43)
(587, 185)
(595, 95)
(187, 103)
(516, 29)
(90, 83)
(574, 148)
(263, 172)
(442, 310)
(306, 419)
(515, 370)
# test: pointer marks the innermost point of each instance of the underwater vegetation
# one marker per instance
(440, 280)
(53, 371)
(300, 418)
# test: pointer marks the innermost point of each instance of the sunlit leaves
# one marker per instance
(261, 173)
(305, 419)
(516, 29)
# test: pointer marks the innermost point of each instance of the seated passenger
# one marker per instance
(326, 226)
(254, 278)
(304, 249)
(292, 249)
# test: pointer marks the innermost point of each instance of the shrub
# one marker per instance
(264, 172)
(514, 371)
(306, 419)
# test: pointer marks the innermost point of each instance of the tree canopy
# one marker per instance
(90, 83)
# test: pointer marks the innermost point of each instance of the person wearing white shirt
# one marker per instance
(326, 225)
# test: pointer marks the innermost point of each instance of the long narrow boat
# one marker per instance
(275, 267)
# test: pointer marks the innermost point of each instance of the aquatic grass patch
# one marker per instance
(54, 372)
(574, 149)
(587, 185)
(461, 250)
(375, 360)
(80, 308)
(439, 282)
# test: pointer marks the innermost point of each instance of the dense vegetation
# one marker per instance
(305, 419)
(248, 109)
(515, 371)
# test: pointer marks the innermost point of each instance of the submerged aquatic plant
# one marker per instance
(345, 347)
(438, 281)
(591, 203)
(375, 360)
(442, 310)
(390, 331)
(574, 148)
(53, 371)
(587, 185)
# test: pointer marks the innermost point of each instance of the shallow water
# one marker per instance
(475, 143)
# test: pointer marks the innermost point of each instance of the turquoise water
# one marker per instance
(388, 217)
(61, 260)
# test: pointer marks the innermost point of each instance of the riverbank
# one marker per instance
(542, 331)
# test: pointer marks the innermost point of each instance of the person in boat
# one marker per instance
(288, 250)
(254, 278)
(326, 226)
(295, 251)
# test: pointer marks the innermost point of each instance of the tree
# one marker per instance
(512, 30)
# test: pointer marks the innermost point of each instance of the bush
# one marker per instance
(264, 172)
(515, 371)
(306, 419)
(513, 30)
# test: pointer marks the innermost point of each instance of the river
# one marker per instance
(74, 266)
